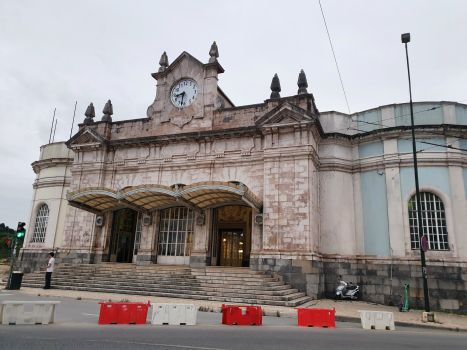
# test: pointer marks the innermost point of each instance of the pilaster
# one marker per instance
(199, 251)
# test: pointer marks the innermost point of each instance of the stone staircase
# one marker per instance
(224, 284)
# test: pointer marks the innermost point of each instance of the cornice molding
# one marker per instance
(37, 166)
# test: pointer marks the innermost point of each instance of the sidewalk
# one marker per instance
(345, 310)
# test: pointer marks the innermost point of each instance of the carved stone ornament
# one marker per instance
(181, 123)
(108, 111)
(214, 53)
(219, 102)
(150, 111)
(90, 114)
(164, 62)
(275, 87)
(302, 83)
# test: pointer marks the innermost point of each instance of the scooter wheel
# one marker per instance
(337, 297)
(400, 308)
(357, 296)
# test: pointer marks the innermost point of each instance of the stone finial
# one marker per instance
(90, 113)
(108, 111)
(214, 53)
(164, 62)
(302, 83)
(275, 87)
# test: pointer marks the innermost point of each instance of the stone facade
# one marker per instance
(331, 191)
(53, 177)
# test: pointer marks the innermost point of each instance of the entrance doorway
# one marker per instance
(231, 241)
(123, 236)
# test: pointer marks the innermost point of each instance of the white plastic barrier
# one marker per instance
(377, 320)
(43, 312)
(174, 314)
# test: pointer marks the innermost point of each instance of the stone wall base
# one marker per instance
(145, 260)
(35, 261)
(379, 283)
(198, 262)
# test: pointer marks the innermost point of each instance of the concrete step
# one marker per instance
(125, 271)
(172, 282)
(290, 303)
(152, 271)
(172, 277)
(139, 273)
(190, 292)
(165, 268)
(224, 284)
(188, 287)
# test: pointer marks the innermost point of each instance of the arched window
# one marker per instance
(433, 222)
(40, 227)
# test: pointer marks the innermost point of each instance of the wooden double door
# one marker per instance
(232, 245)
(123, 236)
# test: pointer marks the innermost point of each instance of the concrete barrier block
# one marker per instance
(43, 312)
(377, 320)
(174, 314)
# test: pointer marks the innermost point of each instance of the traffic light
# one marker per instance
(20, 231)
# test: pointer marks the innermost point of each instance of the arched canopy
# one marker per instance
(146, 198)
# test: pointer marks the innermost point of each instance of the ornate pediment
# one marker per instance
(187, 56)
(286, 113)
(86, 137)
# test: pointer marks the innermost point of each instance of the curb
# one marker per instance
(352, 319)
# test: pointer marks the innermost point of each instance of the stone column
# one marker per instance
(256, 234)
(394, 197)
(457, 239)
(199, 251)
(102, 236)
(358, 207)
(146, 246)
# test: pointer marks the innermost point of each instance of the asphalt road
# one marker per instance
(76, 328)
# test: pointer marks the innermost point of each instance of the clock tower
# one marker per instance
(187, 91)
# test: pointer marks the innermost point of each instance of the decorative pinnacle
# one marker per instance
(302, 83)
(164, 62)
(214, 53)
(90, 113)
(275, 87)
(108, 111)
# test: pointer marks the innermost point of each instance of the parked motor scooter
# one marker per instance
(347, 291)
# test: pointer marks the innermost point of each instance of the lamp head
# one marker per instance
(405, 38)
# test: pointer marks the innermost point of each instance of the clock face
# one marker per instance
(184, 93)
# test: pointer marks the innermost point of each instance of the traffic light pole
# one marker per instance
(417, 190)
(13, 256)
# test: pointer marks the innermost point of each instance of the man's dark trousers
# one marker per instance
(48, 277)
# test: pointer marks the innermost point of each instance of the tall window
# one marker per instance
(40, 226)
(139, 229)
(176, 232)
(433, 222)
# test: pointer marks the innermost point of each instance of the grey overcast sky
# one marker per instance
(53, 53)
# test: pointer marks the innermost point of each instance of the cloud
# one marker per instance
(54, 53)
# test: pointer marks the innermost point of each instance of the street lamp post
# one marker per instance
(405, 39)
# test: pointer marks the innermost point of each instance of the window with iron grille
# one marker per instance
(40, 226)
(433, 222)
(176, 232)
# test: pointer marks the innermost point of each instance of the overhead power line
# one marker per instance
(335, 60)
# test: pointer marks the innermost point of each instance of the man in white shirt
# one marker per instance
(49, 269)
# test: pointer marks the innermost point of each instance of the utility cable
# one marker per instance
(335, 60)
